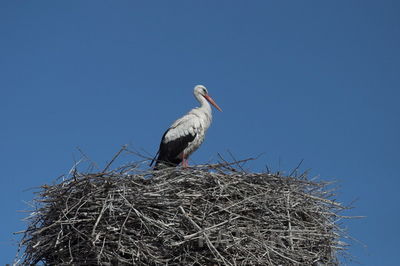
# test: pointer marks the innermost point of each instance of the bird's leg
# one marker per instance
(184, 161)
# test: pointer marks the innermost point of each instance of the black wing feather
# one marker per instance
(169, 152)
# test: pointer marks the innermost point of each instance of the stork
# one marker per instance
(187, 133)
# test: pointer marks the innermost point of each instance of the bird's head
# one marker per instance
(201, 90)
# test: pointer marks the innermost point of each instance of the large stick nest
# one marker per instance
(214, 215)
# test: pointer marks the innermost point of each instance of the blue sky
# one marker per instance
(312, 80)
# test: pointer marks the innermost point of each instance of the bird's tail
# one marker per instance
(154, 159)
(157, 161)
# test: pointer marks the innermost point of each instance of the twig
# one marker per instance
(98, 221)
(297, 168)
(115, 157)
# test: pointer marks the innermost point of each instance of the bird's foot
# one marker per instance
(185, 163)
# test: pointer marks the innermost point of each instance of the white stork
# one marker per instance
(187, 133)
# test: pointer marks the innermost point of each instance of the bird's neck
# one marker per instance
(204, 104)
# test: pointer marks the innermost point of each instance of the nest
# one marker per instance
(210, 215)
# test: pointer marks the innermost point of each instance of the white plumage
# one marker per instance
(187, 133)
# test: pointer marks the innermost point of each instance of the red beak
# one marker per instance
(210, 100)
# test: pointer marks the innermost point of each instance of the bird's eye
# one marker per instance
(205, 91)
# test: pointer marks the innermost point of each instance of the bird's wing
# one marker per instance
(177, 138)
(187, 125)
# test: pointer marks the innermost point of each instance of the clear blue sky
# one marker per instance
(312, 80)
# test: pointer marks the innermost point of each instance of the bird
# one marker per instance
(186, 134)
